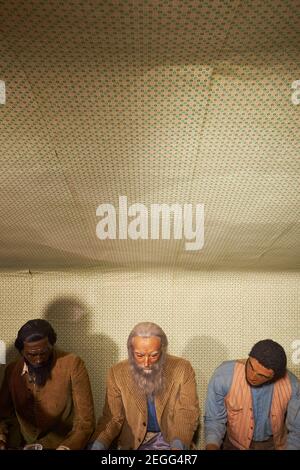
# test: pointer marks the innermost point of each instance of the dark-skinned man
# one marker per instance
(47, 392)
(254, 404)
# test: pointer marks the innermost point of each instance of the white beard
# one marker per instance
(150, 380)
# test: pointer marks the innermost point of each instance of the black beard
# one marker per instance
(41, 373)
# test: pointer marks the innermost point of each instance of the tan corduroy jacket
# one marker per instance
(125, 410)
(59, 413)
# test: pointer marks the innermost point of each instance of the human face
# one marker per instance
(146, 352)
(257, 374)
(38, 352)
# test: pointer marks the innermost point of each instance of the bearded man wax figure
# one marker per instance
(254, 403)
(47, 392)
(151, 398)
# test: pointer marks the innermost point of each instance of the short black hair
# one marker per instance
(271, 355)
(34, 330)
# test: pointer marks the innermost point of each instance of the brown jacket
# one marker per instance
(59, 413)
(125, 409)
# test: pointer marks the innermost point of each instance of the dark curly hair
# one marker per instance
(34, 330)
(270, 355)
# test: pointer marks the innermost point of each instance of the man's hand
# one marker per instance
(2, 445)
(212, 447)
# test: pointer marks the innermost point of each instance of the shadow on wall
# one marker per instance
(205, 354)
(72, 321)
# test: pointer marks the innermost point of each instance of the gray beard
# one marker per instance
(151, 382)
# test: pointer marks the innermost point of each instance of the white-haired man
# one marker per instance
(151, 398)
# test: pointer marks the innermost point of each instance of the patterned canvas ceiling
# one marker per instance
(181, 101)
